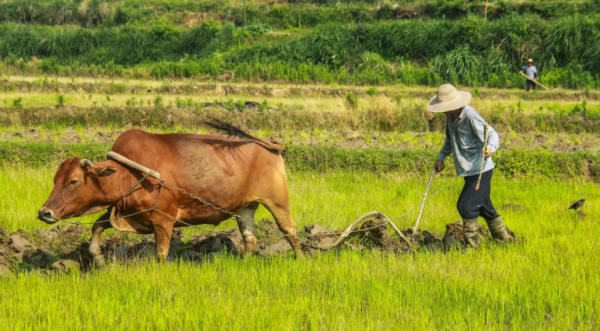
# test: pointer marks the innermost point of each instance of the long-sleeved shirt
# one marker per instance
(530, 72)
(464, 140)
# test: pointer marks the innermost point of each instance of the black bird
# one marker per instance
(577, 204)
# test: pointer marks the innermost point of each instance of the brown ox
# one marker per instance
(235, 173)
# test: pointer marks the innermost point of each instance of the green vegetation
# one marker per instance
(548, 283)
(512, 163)
(75, 74)
(194, 86)
(462, 48)
(174, 113)
(280, 14)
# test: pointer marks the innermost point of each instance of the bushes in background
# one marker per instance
(469, 51)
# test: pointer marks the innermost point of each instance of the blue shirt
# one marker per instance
(530, 72)
(464, 140)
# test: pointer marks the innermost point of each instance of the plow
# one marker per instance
(370, 227)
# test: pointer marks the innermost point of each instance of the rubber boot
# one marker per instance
(471, 232)
(498, 229)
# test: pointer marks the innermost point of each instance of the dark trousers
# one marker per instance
(472, 204)
(530, 84)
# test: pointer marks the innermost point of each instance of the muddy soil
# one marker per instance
(65, 249)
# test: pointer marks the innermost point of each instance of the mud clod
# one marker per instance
(280, 247)
(120, 252)
(39, 259)
(18, 243)
(377, 236)
(66, 266)
(316, 229)
(66, 249)
(317, 238)
(4, 271)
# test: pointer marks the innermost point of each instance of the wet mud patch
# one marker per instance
(66, 249)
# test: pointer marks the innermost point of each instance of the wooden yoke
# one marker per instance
(127, 162)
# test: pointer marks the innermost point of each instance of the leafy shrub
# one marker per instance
(264, 106)
(230, 104)
(158, 102)
(18, 102)
(61, 100)
(351, 101)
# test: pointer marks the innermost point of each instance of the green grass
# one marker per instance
(160, 114)
(549, 283)
(429, 141)
(512, 163)
(335, 199)
(471, 50)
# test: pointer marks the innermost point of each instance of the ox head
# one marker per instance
(77, 190)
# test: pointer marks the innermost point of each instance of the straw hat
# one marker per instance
(530, 60)
(448, 98)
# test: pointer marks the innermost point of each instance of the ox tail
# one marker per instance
(232, 130)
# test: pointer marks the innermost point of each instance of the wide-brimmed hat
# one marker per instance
(448, 98)
(530, 60)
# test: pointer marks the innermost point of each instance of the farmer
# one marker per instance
(465, 140)
(531, 73)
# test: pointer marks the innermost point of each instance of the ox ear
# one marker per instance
(103, 171)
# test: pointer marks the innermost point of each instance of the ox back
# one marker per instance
(228, 171)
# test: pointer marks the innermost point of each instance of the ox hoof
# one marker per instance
(99, 261)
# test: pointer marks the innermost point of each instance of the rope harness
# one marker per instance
(162, 183)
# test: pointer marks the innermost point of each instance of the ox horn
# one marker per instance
(85, 162)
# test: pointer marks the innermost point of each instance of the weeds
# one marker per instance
(158, 102)
(18, 102)
(371, 91)
(61, 100)
(425, 52)
(351, 101)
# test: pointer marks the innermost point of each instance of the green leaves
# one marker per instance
(460, 62)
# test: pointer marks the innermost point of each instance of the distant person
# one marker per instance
(464, 140)
(531, 72)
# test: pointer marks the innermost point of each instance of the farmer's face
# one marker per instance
(451, 112)
(530, 63)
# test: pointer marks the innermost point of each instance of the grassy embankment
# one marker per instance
(415, 43)
(393, 117)
(548, 283)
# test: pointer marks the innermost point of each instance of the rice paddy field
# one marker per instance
(378, 143)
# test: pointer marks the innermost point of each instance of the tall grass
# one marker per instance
(471, 51)
(281, 14)
(345, 113)
(547, 283)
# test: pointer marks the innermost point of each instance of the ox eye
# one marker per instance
(73, 182)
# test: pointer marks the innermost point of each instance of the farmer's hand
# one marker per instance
(487, 152)
(439, 166)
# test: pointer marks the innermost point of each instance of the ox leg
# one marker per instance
(99, 226)
(247, 227)
(281, 213)
(162, 232)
